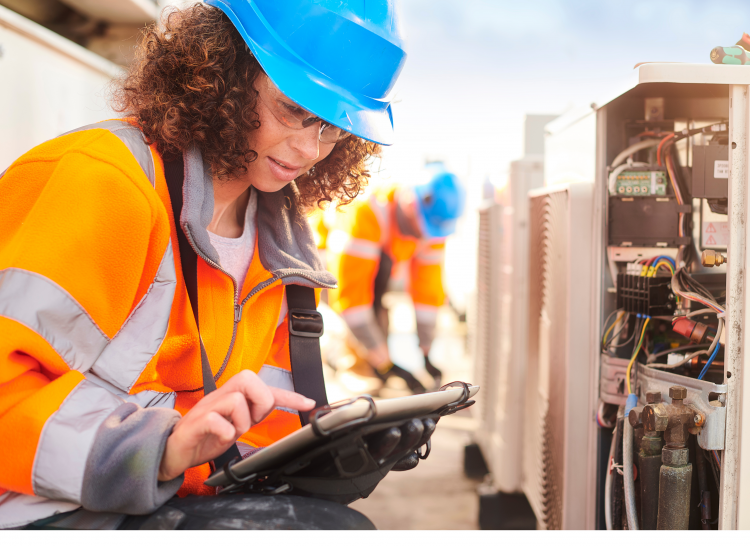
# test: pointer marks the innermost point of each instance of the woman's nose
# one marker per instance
(306, 142)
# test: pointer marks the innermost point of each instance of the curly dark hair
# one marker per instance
(191, 82)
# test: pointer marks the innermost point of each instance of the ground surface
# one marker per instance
(436, 494)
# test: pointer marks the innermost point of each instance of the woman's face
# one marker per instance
(283, 153)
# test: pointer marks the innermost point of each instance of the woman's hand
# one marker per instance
(215, 423)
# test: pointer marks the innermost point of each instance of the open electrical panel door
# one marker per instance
(333, 457)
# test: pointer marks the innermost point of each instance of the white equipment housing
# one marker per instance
(500, 312)
(502, 287)
(50, 85)
(558, 433)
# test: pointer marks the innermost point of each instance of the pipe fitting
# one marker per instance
(655, 418)
(651, 445)
(675, 456)
(677, 392)
(710, 258)
(653, 397)
(634, 417)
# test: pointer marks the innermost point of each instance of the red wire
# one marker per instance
(661, 144)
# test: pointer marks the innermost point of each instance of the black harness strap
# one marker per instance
(305, 329)
(305, 323)
(174, 172)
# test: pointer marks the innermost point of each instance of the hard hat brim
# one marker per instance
(358, 114)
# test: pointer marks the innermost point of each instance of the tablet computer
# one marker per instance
(347, 414)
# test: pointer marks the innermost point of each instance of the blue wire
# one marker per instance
(710, 360)
(671, 260)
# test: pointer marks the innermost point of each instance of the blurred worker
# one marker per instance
(396, 226)
(121, 240)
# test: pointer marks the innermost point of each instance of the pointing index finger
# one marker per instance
(292, 400)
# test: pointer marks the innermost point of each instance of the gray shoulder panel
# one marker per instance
(132, 138)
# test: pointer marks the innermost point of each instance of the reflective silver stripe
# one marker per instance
(46, 308)
(132, 137)
(426, 313)
(363, 324)
(430, 255)
(426, 322)
(145, 399)
(67, 438)
(138, 340)
(343, 243)
(355, 316)
(17, 509)
(276, 377)
(279, 378)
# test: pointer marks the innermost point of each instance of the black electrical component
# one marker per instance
(646, 221)
(710, 171)
(645, 295)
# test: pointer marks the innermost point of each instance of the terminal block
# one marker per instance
(645, 295)
(641, 183)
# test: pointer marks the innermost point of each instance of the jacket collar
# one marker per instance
(285, 241)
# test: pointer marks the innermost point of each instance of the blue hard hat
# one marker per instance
(440, 201)
(338, 59)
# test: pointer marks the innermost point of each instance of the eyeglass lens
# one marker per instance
(294, 116)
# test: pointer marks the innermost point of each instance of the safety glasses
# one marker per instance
(293, 115)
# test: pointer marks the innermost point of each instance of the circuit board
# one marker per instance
(641, 183)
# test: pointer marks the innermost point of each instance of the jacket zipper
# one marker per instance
(254, 291)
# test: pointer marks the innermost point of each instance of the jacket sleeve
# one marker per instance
(82, 245)
(353, 253)
(426, 289)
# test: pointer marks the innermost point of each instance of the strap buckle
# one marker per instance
(305, 323)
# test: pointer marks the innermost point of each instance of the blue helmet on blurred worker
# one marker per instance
(440, 201)
(337, 59)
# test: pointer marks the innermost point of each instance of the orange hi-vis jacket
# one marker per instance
(99, 351)
(355, 239)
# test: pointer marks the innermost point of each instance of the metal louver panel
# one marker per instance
(486, 310)
(558, 424)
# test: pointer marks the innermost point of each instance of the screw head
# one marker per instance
(677, 392)
(653, 397)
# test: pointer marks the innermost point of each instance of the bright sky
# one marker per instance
(476, 67)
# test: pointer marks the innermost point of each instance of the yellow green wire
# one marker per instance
(666, 264)
(604, 339)
(635, 354)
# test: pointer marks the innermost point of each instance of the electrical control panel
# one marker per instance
(661, 315)
(668, 159)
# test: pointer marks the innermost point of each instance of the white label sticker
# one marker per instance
(715, 234)
(721, 168)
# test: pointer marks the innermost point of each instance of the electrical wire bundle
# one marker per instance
(637, 349)
(686, 287)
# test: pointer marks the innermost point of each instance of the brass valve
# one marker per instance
(710, 258)
(674, 419)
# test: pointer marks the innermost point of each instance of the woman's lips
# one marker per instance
(287, 174)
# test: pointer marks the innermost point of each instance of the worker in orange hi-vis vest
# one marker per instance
(153, 268)
(396, 225)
